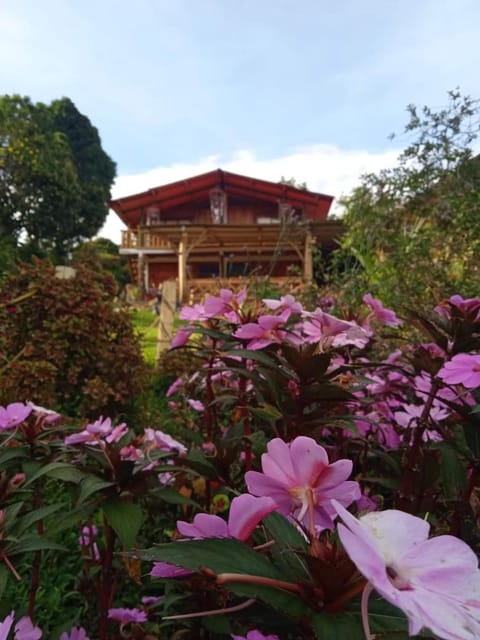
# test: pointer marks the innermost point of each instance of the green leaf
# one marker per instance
(90, 485)
(174, 497)
(266, 412)
(125, 518)
(283, 532)
(69, 519)
(256, 356)
(32, 543)
(12, 453)
(227, 555)
(4, 575)
(200, 463)
(67, 472)
(49, 469)
(34, 516)
(452, 472)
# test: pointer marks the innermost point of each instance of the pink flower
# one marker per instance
(255, 635)
(329, 331)
(300, 479)
(48, 415)
(246, 511)
(75, 633)
(93, 434)
(6, 625)
(164, 441)
(197, 405)
(174, 387)
(464, 368)
(14, 414)
(193, 314)
(168, 570)
(264, 332)
(125, 616)
(435, 582)
(380, 313)
(182, 336)
(224, 304)
(24, 630)
(285, 302)
(117, 433)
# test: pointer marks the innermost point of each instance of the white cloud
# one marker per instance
(325, 168)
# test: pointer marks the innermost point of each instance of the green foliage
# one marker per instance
(414, 230)
(104, 253)
(66, 344)
(55, 177)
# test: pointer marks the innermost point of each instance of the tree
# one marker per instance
(414, 230)
(53, 187)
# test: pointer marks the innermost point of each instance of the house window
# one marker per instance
(218, 206)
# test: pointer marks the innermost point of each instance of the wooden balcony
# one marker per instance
(144, 240)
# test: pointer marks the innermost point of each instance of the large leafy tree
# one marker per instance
(414, 230)
(55, 177)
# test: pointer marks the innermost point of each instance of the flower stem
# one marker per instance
(364, 608)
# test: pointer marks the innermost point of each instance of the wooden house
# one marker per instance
(224, 226)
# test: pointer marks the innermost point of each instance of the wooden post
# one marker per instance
(166, 317)
(182, 266)
(141, 274)
(308, 258)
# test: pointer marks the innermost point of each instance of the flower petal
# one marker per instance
(246, 511)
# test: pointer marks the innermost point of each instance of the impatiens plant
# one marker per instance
(315, 477)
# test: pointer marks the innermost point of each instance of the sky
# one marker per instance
(309, 89)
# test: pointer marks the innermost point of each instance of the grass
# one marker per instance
(145, 324)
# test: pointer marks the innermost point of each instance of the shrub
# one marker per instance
(64, 343)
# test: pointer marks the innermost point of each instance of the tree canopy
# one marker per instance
(55, 178)
(414, 230)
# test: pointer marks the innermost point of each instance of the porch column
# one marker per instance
(182, 266)
(307, 258)
(141, 274)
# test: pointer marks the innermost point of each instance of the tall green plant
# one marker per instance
(414, 230)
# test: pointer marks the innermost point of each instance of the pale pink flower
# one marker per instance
(330, 331)
(263, 332)
(182, 336)
(6, 625)
(380, 313)
(435, 582)
(25, 630)
(75, 633)
(125, 616)
(301, 481)
(168, 570)
(49, 416)
(464, 368)
(285, 302)
(195, 313)
(197, 405)
(14, 414)
(255, 635)
(174, 387)
(117, 433)
(93, 434)
(224, 304)
(164, 441)
(246, 511)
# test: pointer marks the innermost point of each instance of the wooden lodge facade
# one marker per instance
(222, 225)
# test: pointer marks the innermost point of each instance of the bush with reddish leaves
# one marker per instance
(65, 343)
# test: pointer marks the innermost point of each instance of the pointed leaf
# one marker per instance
(125, 518)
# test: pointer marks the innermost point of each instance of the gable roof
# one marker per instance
(197, 189)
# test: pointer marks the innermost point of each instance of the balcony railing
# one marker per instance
(143, 240)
